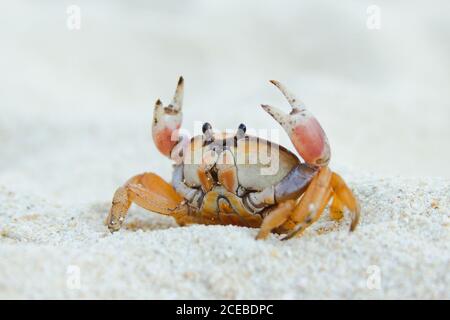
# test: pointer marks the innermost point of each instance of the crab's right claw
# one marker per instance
(167, 121)
(304, 130)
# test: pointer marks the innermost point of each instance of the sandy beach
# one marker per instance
(75, 116)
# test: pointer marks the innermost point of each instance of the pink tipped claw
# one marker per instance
(304, 130)
(167, 121)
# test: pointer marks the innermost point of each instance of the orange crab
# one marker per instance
(218, 180)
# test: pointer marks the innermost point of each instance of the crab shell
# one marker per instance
(252, 156)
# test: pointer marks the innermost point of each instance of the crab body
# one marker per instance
(239, 179)
(227, 187)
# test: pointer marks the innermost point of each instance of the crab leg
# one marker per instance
(313, 202)
(275, 218)
(347, 197)
(307, 211)
(312, 216)
(316, 191)
(148, 191)
(325, 185)
(336, 208)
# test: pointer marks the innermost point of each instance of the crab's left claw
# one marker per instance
(167, 121)
(306, 133)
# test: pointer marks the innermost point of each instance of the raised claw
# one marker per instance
(304, 130)
(167, 121)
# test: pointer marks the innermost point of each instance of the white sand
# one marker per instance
(400, 233)
(74, 124)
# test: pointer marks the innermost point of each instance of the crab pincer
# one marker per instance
(167, 121)
(304, 130)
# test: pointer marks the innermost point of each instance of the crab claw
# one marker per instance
(304, 130)
(167, 121)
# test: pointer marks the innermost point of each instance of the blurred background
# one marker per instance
(76, 104)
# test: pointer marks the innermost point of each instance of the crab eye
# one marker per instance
(241, 131)
(206, 127)
(208, 134)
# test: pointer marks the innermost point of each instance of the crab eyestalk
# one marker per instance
(167, 121)
(304, 130)
(208, 133)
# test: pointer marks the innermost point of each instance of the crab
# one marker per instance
(218, 180)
